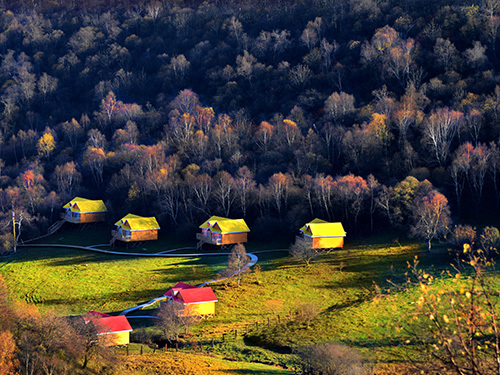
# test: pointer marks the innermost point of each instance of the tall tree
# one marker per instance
(440, 129)
(431, 217)
(237, 262)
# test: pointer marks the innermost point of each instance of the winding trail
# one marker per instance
(163, 254)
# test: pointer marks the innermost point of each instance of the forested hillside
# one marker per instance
(363, 111)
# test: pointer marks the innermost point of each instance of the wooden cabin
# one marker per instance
(112, 330)
(222, 231)
(82, 211)
(190, 300)
(135, 228)
(323, 234)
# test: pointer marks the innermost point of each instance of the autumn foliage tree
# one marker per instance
(455, 323)
(431, 217)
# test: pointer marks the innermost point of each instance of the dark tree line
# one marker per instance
(273, 111)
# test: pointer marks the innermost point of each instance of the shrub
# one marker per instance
(331, 359)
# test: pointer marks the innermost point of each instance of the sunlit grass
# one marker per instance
(357, 303)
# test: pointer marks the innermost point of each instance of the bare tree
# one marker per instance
(173, 319)
(431, 216)
(455, 323)
(306, 313)
(440, 130)
(303, 251)
(237, 263)
(339, 105)
(47, 84)
(332, 359)
(179, 65)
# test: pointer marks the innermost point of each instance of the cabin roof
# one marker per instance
(177, 287)
(84, 205)
(106, 324)
(322, 228)
(190, 294)
(135, 222)
(225, 225)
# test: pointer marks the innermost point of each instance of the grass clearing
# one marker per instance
(349, 287)
(188, 363)
(73, 282)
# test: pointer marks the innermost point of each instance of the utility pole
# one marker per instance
(14, 229)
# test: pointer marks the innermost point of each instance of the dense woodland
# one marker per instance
(364, 111)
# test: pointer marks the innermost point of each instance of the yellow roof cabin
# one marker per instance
(135, 222)
(83, 205)
(224, 225)
(322, 228)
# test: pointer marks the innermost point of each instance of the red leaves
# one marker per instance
(28, 179)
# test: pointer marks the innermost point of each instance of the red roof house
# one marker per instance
(191, 300)
(115, 330)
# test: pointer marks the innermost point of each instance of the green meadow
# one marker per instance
(352, 288)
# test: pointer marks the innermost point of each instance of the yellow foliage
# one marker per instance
(46, 144)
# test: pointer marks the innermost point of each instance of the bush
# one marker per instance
(331, 359)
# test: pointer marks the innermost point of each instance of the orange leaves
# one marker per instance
(385, 38)
(204, 117)
(431, 216)
(27, 179)
(8, 361)
(279, 180)
(351, 184)
(435, 201)
(264, 135)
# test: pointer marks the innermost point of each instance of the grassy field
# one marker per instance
(188, 363)
(349, 287)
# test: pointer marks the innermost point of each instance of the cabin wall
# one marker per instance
(115, 339)
(144, 235)
(92, 217)
(207, 308)
(234, 238)
(328, 242)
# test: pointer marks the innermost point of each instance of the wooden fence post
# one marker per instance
(223, 337)
(247, 329)
(235, 333)
(212, 342)
(127, 349)
(141, 349)
(279, 319)
(268, 323)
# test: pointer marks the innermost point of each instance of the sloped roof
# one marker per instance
(198, 295)
(190, 294)
(84, 205)
(107, 324)
(224, 225)
(177, 287)
(135, 222)
(322, 228)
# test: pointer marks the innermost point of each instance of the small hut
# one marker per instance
(135, 228)
(222, 231)
(190, 300)
(323, 234)
(82, 211)
(112, 330)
